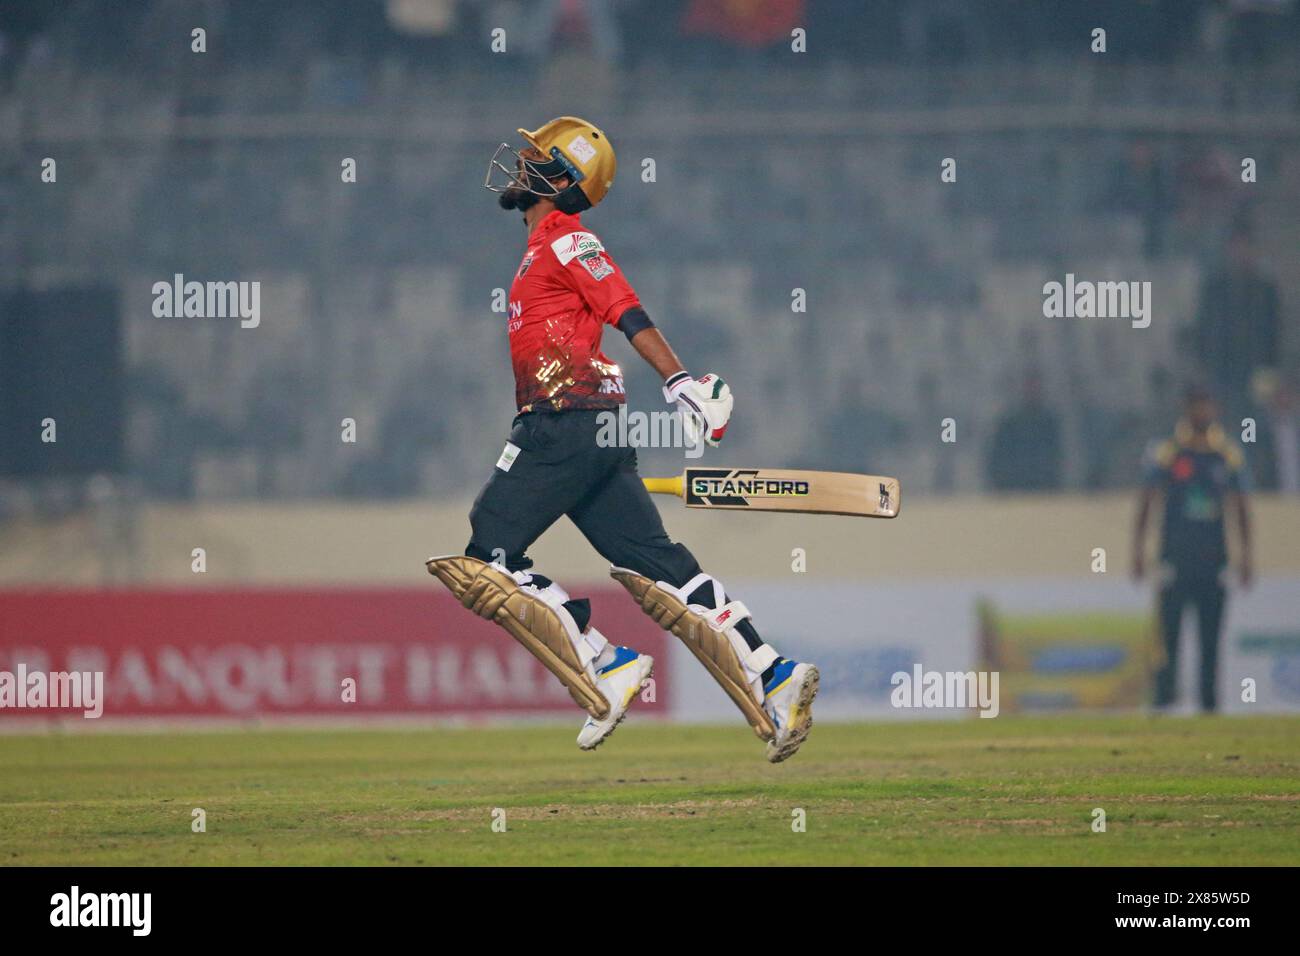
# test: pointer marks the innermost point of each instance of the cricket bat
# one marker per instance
(772, 489)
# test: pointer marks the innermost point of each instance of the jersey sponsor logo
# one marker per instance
(597, 265)
(508, 457)
(575, 244)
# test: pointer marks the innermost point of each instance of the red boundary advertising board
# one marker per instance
(261, 653)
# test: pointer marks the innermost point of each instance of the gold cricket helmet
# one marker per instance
(572, 147)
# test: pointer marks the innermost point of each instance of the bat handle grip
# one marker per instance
(664, 486)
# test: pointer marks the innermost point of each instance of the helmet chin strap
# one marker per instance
(572, 200)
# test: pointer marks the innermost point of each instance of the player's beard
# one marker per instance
(530, 187)
(516, 197)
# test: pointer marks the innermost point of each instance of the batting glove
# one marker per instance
(705, 404)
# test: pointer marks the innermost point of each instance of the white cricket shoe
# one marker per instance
(619, 682)
(788, 698)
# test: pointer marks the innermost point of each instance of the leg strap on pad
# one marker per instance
(724, 616)
(495, 595)
(591, 642)
(724, 621)
(711, 637)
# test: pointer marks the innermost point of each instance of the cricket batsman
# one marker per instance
(565, 292)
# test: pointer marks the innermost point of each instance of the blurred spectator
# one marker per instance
(1141, 188)
(945, 32)
(1255, 33)
(162, 439)
(578, 25)
(1237, 328)
(1207, 191)
(745, 23)
(1279, 437)
(1025, 454)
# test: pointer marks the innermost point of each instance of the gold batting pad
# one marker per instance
(710, 647)
(493, 594)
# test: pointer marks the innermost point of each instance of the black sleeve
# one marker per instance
(633, 321)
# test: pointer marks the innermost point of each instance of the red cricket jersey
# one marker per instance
(566, 290)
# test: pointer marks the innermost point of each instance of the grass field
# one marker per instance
(1005, 791)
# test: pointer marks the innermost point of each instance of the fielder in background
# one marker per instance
(1200, 475)
(566, 290)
